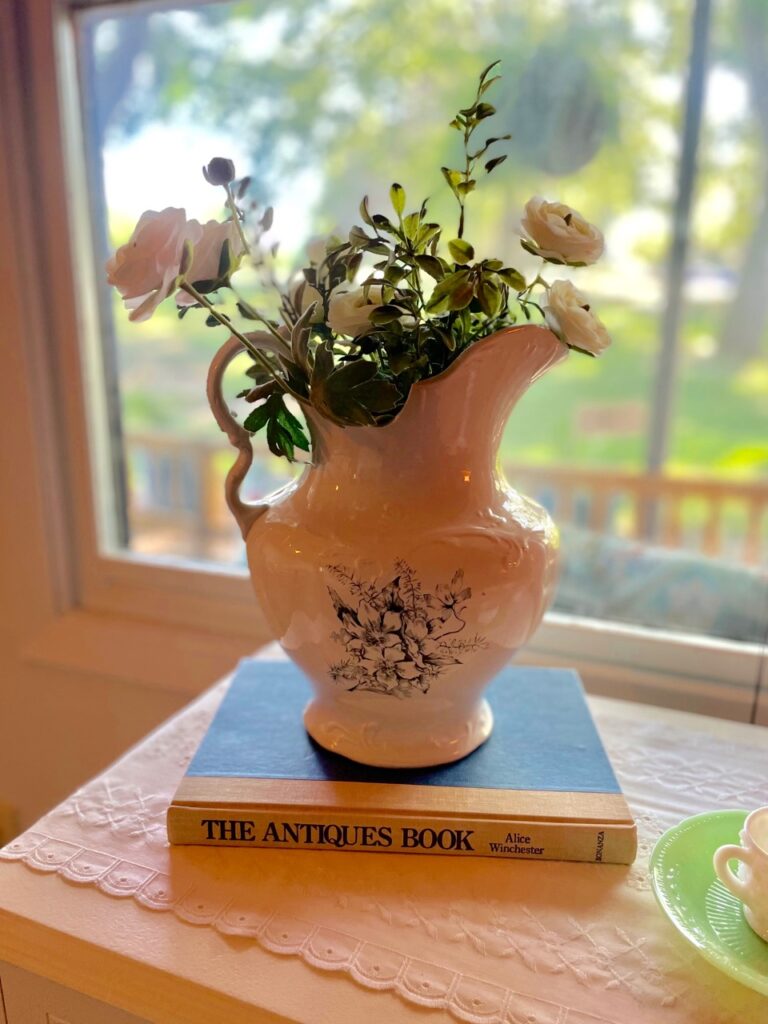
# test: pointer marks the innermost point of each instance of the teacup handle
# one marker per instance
(721, 861)
(238, 436)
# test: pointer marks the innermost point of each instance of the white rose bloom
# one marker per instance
(569, 315)
(348, 311)
(207, 252)
(145, 268)
(557, 232)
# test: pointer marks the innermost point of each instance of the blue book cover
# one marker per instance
(258, 778)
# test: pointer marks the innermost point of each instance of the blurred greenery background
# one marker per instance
(325, 100)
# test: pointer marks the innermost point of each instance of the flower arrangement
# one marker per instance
(352, 351)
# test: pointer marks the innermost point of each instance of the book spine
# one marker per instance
(380, 833)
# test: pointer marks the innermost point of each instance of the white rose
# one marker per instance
(145, 268)
(302, 295)
(557, 232)
(569, 315)
(348, 311)
(207, 253)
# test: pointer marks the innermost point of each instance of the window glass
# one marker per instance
(322, 101)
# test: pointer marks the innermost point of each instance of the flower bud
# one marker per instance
(220, 171)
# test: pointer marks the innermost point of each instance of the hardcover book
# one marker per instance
(541, 787)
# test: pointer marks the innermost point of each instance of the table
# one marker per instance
(102, 922)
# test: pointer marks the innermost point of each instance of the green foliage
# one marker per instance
(421, 302)
(423, 307)
(284, 431)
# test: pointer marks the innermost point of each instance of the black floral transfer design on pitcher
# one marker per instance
(398, 639)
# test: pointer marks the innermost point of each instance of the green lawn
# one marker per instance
(720, 423)
(721, 410)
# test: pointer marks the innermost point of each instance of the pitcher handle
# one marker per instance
(245, 514)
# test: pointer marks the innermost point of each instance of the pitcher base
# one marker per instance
(391, 745)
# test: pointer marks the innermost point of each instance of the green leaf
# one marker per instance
(452, 177)
(397, 195)
(461, 250)
(267, 219)
(353, 265)
(300, 338)
(430, 265)
(292, 426)
(465, 187)
(293, 370)
(365, 212)
(447, 338)
(441, 296)
(384, 223)
(394, 274)
(461, 296)
(225, 260)
(382, 315)
(425, 235)
(380, 248)
(486, 71)
(284, 430)
(378, 396)
(489, 297)
(495, 162)
(484, 110)
(351, 375)
(212, 321)
(411, 225)
(256, 419)
(487, 84)
(358, 238)
(513, 278)
(323, 363)
(279, 440)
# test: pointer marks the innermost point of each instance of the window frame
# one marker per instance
(181, 626)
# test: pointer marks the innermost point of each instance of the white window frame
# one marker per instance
(173, 625)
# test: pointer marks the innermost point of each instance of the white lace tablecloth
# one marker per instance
(494, 942)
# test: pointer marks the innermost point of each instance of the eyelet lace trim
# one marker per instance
(376, 967)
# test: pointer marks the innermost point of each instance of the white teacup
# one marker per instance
(751, 884)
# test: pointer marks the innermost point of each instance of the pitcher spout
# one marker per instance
(480, 389)
(444, 441)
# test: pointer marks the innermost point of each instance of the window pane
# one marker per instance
(593, 94)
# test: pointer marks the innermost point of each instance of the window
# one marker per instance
(646, 115)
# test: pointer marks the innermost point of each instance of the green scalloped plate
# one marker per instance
(698, 905)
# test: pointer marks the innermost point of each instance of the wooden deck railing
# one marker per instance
(180, 480)
(715, 517)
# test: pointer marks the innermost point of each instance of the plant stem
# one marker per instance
(469, 166)
(262, 320)
(231, 205)
(248, 345)
(529, 288)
